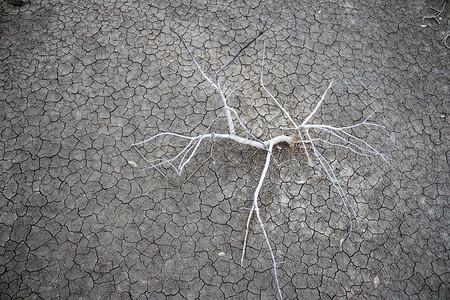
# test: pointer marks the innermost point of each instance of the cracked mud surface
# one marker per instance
(79, 219)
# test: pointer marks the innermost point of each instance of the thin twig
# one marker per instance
(318, 104)
(278, 103)
(216, 77)
(247, 228)
(201, 164)
(192, 56)
(437, 17)
(445, 41)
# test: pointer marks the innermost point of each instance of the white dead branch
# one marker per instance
(300, 134)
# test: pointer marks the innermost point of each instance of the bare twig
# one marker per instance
(216, 77)
(200, 165)
(445, 41)
(279, 105)
(437, 17)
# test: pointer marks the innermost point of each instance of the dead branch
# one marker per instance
(299, 134)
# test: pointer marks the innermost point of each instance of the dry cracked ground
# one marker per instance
(81, 217)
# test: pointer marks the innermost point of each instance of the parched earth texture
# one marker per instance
(81, 217)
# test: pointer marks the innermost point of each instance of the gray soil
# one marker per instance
(81, 80)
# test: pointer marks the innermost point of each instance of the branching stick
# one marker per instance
(300, 133)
